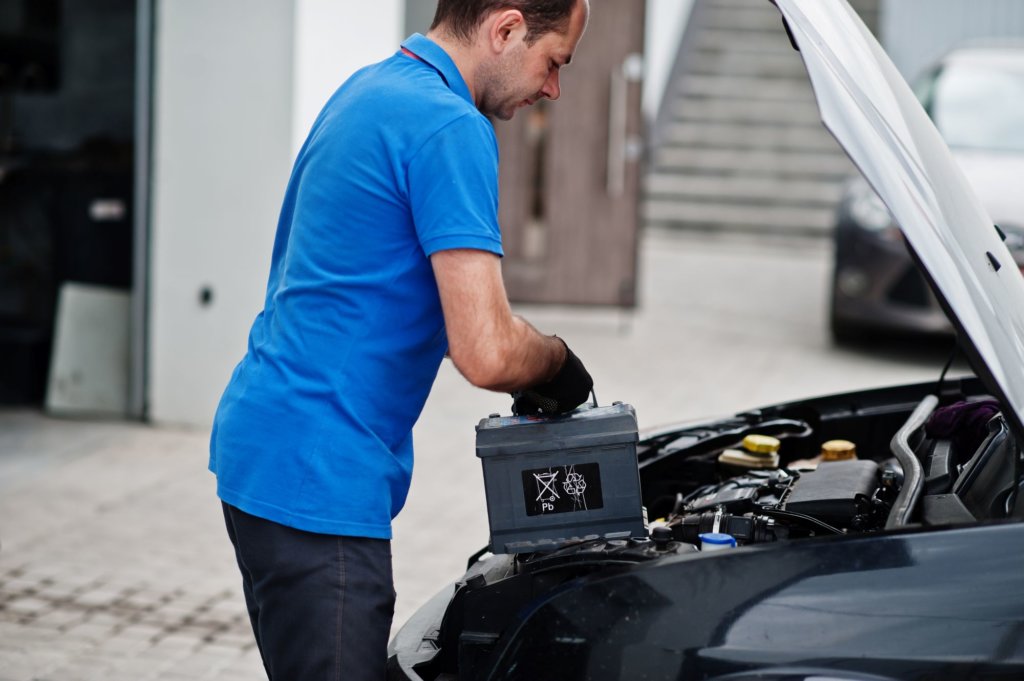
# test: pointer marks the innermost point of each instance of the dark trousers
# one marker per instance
(320, 605)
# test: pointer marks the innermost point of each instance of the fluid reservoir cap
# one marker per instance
(744, 459)
(761, 444)
(714, 541)
(838, 450)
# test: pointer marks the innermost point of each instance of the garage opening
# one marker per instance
(67, 150)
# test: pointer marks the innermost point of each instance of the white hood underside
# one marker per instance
(873, 114)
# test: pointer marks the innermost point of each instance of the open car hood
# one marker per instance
(873, 114)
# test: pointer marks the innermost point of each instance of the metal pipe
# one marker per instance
(913, 472)
(139, 323)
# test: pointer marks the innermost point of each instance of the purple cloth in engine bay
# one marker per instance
(965, 423)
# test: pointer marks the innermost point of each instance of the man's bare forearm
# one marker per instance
(490, 346)
(531, 359)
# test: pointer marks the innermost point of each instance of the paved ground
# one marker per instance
(114, 564)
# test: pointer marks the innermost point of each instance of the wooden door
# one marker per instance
(570, 172)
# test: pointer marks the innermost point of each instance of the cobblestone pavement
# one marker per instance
(114, 563)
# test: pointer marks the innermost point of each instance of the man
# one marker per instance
(386, 257)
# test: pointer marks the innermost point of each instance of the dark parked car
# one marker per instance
(895, 553)
(975, 96)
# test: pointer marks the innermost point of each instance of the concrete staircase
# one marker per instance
(738, 145)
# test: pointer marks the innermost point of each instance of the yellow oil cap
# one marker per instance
(761, 444)
(838, 450)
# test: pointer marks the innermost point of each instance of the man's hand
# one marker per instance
(569, 388)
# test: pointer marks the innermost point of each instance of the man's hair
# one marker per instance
(460, 18)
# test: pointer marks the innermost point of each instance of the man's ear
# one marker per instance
(504, 27)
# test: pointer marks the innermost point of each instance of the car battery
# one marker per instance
(555, 480)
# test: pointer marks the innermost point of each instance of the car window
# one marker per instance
(978, 108)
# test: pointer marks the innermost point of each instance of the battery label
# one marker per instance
(562, 489)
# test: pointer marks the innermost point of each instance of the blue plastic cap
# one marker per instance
(717, 539)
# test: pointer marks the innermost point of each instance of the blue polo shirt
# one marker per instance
(314, 429)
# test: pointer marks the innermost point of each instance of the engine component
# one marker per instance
(744, 493)
(836, 492)
(838, 450)
(746, 529)
(759, 451)
(766, 506)
(716, 541)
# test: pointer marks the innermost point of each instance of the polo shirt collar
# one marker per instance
(433, 54)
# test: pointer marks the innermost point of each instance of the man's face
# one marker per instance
(524, 73)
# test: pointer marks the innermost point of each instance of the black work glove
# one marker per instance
(568, 389)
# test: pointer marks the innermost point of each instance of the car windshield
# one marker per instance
(978, 106)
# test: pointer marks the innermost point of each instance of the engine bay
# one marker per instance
(852, 495)
(925, 460)
(944, 465)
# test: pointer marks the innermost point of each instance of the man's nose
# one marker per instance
(551, 89)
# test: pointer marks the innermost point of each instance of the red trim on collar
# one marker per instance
(409, 53)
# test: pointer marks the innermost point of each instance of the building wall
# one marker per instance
(418, 16)
(237, 84)
(916, 33)
(221, 149)
(332, 40)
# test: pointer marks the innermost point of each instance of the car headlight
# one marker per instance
(867, 209)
